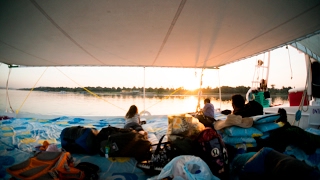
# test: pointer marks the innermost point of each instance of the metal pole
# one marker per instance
(309, 76)
(268, 67)
(219, 88)
(200, 92)
(144, 88)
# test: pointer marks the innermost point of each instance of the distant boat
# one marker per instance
(130, 92)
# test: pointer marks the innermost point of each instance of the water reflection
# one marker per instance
(84, 104)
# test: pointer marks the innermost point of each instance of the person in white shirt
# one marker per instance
(207, 117)
(132, 118)
(208, 109)
(132, 115)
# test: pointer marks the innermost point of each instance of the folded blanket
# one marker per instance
(266, 118)
(238, 140)
(265, 127)
(238, 131)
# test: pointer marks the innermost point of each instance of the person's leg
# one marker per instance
(134, 126)
(204, 121)
(209, 121)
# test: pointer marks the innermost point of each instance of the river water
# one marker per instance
(76, 104)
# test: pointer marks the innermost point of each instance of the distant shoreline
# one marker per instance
(135, 91)
(148, 94)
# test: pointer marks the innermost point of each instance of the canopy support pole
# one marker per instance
(309, 76)
(200, 92)
(219, 87)
(144, 89)
(268, 68)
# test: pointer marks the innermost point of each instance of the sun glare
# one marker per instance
(192, 84)
(190, 87)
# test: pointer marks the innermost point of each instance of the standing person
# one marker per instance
(252, 108)
(207, 118)
(133, 120)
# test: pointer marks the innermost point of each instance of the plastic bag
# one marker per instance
(186, 167)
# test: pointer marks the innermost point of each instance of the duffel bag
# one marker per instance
(105, 132)
(126, 144)
(79, 139)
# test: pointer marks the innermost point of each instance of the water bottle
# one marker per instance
(107, 152)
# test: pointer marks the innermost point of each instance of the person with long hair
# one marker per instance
(132, 118)
(133, 115)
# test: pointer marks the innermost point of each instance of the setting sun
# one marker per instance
(192, 85)
(192, 79)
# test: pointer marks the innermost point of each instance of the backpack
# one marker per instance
(79, 139)
(213, 151)
(47, 165)
(122, 142)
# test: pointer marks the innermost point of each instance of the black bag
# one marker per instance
(79, 139)
(125, 143)
(182, 145)
(161, 156)
(213, 151)
(105, 132)
(90, 170)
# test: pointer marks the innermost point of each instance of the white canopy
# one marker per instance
(157, 33)
(310, 46)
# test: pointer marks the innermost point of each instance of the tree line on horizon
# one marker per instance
(161, 90)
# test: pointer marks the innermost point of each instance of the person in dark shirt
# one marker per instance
(252, 108)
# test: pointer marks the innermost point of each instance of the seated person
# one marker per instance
(208, 109)
(208, 113)
(133, 121)
(252, 108)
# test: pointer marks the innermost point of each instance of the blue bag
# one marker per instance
(79, 139)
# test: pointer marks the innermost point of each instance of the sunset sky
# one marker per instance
(285, 70)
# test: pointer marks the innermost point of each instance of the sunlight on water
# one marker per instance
(75, 104)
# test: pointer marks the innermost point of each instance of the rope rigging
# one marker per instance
(7, 92)
(289, 60)
(166, 97)
(90, 91)
(17, 111)
(298, 113)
